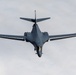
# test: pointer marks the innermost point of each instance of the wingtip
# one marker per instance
(49, 17)
(20, 18)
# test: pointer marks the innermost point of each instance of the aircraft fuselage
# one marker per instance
(37, 38)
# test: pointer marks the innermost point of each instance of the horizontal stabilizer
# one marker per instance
(28, 19)
(42, 19)
(35, 20)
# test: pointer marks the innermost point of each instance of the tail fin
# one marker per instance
(35, 20)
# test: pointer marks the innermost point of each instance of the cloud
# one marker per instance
(19, 58)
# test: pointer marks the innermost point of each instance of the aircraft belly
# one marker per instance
(39, 51)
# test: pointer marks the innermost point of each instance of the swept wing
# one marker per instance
(13, 37)
(64, 36)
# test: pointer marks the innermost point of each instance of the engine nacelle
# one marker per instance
(28, 36)
(45, 36)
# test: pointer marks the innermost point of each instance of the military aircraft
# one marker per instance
(36, 37)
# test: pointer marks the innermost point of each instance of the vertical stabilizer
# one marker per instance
(35, 17)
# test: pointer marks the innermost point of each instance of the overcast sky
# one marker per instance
(19, 58)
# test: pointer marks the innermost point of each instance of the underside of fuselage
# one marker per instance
(37, 39)
(39, 51)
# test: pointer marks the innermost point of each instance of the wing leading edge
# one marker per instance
(13, 37)
(64, 36)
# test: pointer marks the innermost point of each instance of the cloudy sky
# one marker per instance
(19, 58)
